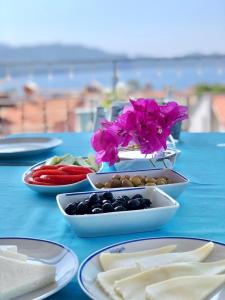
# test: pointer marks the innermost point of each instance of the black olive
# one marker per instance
(133, 204)
(137, 196)
(89, 206)
(96, 205)
(119, 198)
(117, 203)
(107, 196)
(122, 199)
(120, 208)
(107, 207)
(105, 202)
(97, 210)
(81, 208)
(125, 198)
(142, 202)
(147, 202)
(71, 208)
(93, 198)
(86, 201)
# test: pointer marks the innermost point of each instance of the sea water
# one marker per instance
(174, 75)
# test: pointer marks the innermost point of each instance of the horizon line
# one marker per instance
(128, 56)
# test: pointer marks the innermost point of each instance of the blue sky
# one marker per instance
(148, 27)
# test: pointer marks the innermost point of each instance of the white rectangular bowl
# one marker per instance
(162, 210)
(173, 189)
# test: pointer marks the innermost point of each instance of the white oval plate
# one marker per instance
(89, 269)
(17, 147)
(65, 261)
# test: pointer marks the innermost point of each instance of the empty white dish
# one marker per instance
(162, 210)
(173, 189)
(23, 146)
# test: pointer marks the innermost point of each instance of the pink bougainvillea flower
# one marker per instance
(105, 142)
(121, 127)
(110, 156)
(149, 106)
(144, 123)
(172, 113)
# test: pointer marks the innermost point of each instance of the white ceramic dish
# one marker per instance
(173, 189)
(18, 147)
(163, 209)
(165, 159)
(61, 257)
(90, 267)
(56, 189)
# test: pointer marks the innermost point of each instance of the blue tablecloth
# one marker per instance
(202, 212)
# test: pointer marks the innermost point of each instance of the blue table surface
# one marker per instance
(24, 213)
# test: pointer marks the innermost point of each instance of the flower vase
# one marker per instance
(135, 160)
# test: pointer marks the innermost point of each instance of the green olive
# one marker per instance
(142, 180)
(160, 181)
(107, 184)
(116, 176)
(115, 183)
(136, 181)
(151, 179)
(99, 185)
(126, 183)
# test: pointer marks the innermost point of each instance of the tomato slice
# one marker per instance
(48, 167)
(62, 179)
(75, 170)
(38, 173)
(31, 180)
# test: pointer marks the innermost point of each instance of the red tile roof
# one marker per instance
(219, 109)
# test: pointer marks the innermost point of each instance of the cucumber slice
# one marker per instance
(53, 160)
(91, 161)
(68, 160)
(82, 162)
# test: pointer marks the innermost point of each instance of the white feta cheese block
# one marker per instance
(12, 248)
(12, 254)
(196, 255)
(185, 288)
(19, 277)
(110, 261)
(133, 287)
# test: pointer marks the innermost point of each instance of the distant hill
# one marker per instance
(58, 53)
(53, 53)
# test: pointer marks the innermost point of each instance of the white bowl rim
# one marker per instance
(185, 179)
(175, 205)
(48, 186)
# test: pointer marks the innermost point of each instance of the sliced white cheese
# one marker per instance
(133, 287)
(12, 254)
(110, 261)
(185, 288)
(12, 248)
(107, 279)
(19, 277)
(196, 255)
